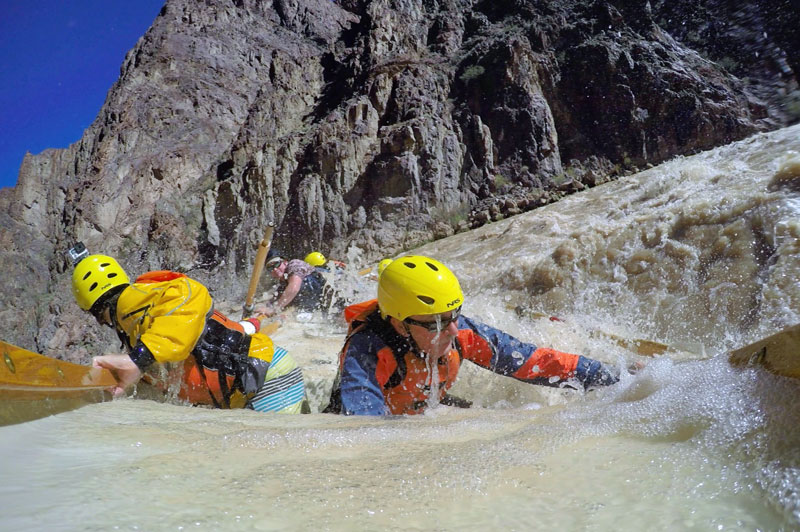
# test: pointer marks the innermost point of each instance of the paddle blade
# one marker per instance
(779, 353)
(270, 328)
(34, 386)
(27, 369)
(639, 346)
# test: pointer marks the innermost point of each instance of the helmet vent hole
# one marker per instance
(432, 266)
(111, 275)
(410, 265)
(94, 285)
(427, 300)
(87, 275)
(105, 265)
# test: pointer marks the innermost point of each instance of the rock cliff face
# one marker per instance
(380, 124)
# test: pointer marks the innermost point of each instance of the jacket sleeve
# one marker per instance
(361, 393)
(502, 353)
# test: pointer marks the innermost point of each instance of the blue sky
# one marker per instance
(58, 59)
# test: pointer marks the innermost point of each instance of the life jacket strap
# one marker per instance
(400, 345)
(224, 350)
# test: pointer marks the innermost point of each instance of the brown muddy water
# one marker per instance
(701, 253)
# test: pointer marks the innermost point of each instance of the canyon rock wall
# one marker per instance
(369, 125)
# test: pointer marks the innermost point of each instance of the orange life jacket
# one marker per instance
(401, 371)
(201, 384)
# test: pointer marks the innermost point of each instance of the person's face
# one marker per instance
(105, 317)
(434, 334)
(278, 271)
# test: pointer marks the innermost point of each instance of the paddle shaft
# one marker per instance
(258, 268)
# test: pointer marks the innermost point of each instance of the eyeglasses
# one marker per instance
(436, 325)
(273, 263)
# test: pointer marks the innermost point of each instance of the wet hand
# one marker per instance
(262, 311)
(122, 368)
(635, 367)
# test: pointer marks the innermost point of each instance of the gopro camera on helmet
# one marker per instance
(77, 253)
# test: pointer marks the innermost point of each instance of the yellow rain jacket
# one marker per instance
(168, 317)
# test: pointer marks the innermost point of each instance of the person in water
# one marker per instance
(414, 335)
(167, 317)
(318, 260)
(302, 282)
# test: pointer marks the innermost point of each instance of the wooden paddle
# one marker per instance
(258, 268)
(28, 371)
(270, 327)
(33, 386)
(255, 277)
(779, 353)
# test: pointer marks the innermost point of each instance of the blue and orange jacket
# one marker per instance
(381, 373)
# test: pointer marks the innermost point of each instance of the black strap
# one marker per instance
(143, 310)
(335, 402)
(225, 351)
(459, 350)
(205, 380)
(458, 402)
(400, 345)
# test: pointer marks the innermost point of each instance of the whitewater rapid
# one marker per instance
(701, 253)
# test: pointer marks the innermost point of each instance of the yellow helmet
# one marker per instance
(315, 258)
(417, 285)
(94, 276)
(383, 264)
